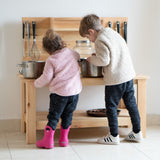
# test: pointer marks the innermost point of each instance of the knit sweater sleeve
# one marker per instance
(47, 75)
(102, 57)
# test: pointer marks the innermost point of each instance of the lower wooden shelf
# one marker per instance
(82, 120)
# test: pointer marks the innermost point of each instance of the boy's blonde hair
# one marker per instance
(52, 41)
(90, 21)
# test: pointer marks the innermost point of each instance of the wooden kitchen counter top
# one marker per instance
(94, 81)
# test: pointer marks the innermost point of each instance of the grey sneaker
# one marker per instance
(134, 137)
(108, 139)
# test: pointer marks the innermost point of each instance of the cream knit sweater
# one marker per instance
(113, 54)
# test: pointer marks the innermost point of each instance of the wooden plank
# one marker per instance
(23, 106)
(66, 23)
(99, 81)
(114, 23)
(95, 81)
(141, 102)
(92, 81)
(67, 27)
(82, 120)
(30, 113)
(41, 58)
(41, 22)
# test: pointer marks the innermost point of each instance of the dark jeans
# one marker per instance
(113, 94)
(61, 107)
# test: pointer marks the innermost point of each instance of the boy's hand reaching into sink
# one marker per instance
(89, 58)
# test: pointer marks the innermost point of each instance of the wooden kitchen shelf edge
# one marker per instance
(82, 120)
(95, 81)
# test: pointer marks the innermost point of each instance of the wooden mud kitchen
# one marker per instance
(68, 28)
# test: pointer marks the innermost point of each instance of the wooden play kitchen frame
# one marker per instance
(68, 28)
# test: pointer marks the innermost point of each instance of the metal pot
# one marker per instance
(88, 69)
(32, 69)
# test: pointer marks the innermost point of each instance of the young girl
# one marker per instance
(62, 73)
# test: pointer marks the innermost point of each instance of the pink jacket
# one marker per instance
(62, 73)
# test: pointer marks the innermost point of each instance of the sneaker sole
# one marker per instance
(131, 140)
(108, 143)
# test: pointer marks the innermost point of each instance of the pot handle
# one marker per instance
(20, 71)
(20, 65)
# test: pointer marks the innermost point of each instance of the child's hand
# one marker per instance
(89, 59)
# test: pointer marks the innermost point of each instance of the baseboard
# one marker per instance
(15, 124)
(10, 125)
(153, 119)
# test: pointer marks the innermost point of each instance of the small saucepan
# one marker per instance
(31, 69)
(88, 69)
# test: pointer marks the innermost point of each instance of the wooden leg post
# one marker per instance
(141, 102)
(23, 106)
(30, 113)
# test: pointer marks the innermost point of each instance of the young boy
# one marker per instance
(113, 54)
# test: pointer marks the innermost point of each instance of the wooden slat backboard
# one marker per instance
(68, 28)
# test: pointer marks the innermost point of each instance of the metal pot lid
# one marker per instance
(83, 41)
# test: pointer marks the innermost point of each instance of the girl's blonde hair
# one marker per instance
(52, 41)
(90, 21)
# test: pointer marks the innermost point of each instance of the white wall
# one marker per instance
(143, 36)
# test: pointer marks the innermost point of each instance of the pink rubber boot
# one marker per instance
(63, 141)
(47, 141)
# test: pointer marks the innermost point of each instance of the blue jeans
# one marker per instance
(61, 107)
(113, 95)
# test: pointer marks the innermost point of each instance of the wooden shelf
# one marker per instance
(82, 120)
